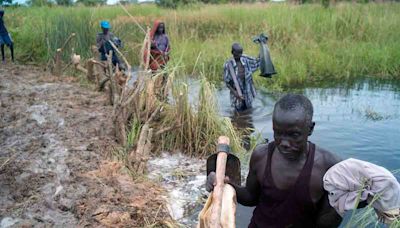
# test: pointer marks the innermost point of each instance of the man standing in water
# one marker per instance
(285, 177)
(5, 38)
(238, 76)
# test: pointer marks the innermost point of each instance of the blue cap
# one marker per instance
(105, 24)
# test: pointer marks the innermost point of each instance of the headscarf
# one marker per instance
(155, 27)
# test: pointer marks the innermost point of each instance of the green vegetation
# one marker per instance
(309, 43)
(367, 217)
(192, 129)
(197, 126)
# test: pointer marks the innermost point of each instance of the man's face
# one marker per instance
(237, 53)
(291, 131)
(160, 28)
(105, 30)
(1, 14)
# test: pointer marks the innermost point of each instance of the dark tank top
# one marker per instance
(292, 207)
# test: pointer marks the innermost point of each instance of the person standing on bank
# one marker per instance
(160, 46)
(238, 77)
(5, 38)
(103, 45)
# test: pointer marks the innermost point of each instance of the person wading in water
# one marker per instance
(238, 77)
(285, 176)
(5, 38)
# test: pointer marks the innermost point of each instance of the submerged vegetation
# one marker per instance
(309, 43)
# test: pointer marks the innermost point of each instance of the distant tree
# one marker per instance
(127, 2)
(175, 3)
(64, 2)
(92, 2)
(39, 3)
(5, 2)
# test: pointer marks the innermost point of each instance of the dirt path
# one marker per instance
(55, 138)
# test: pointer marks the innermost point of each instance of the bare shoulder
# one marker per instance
(326, 158)
(258, 155)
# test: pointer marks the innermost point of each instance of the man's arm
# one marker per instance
(254, 63)
(228, 80)
(327, 215)
(99, 42)
(249, 195)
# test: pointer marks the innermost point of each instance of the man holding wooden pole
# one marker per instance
(285, 179)
(220, 208)
(238, 76)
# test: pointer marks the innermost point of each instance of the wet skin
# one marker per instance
(291, 132)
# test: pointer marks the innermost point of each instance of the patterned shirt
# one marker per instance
(250, 65)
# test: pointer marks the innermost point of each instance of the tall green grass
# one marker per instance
(309, 43)
(194, 127)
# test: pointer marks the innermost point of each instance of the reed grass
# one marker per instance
(197, 125)
(309, 43)
(367, 217)
(191, 128)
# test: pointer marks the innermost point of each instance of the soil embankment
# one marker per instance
(55, 138)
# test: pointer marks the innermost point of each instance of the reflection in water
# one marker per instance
(244, 120)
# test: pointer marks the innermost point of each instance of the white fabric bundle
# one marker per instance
(352, 180)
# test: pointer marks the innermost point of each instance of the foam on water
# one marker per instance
(184, 179)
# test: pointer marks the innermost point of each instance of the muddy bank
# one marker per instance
(55, 168)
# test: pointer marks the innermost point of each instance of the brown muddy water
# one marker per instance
(360, 120)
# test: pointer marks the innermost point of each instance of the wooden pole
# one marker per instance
(90, 70)
(67, 41)
(57, 68)
(218, 192)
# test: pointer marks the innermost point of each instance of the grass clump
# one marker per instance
(367, 216)
(196, 126)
